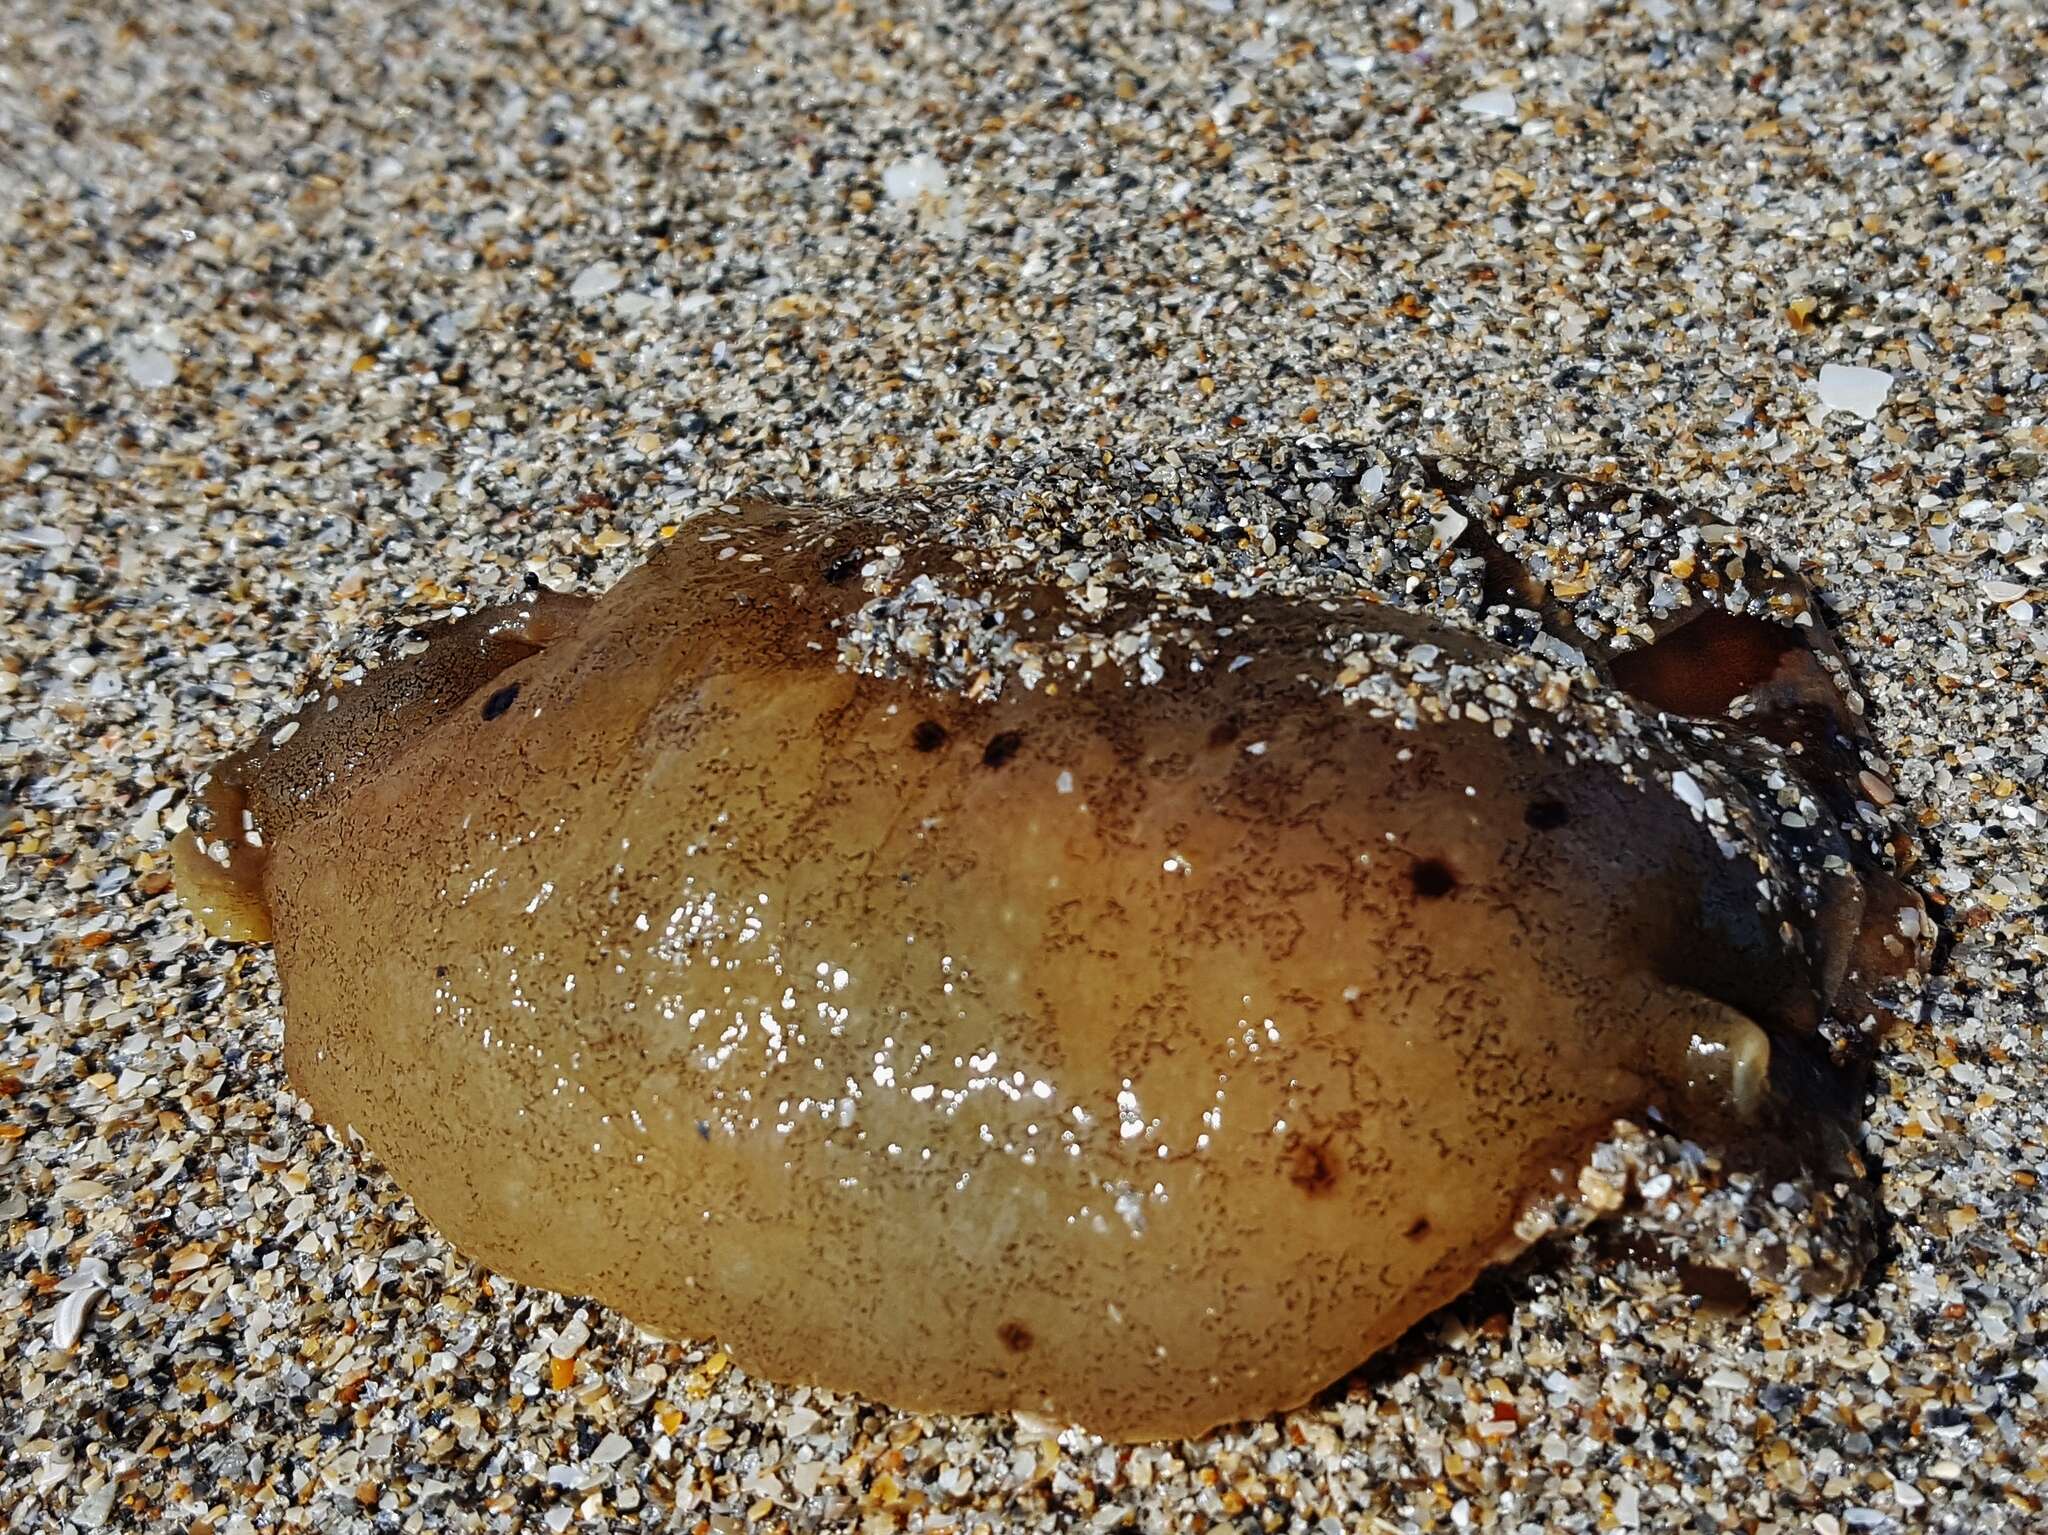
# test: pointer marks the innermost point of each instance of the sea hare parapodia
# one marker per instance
(1071, 943)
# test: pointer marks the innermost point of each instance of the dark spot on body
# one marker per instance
(1002, 748)
(1226, 731)
(929, 736)
(1433, 879)
(1417, 1229)
(501, 700)
(842, 566)
(1015, 1336)
(1546, 814)
(1311, 1168)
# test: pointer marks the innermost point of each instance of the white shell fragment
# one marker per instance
(1497, 103)
(1859, 391)
(919, 176)
(595, 281)
(149, 367)
(68, 1318)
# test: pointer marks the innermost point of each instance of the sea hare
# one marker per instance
(1116, 942)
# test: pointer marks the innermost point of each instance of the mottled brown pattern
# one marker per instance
(1109, 1069)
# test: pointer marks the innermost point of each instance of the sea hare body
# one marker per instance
(1072, 943)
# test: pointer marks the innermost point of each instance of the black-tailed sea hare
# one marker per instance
(1119, 944)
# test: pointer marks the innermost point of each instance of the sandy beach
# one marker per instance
(317, 320)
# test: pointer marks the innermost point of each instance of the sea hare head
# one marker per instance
(1119, 944)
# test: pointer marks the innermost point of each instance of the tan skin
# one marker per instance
(1060, 1053)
